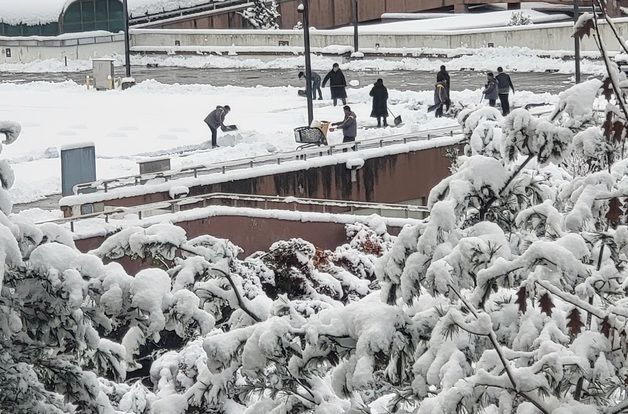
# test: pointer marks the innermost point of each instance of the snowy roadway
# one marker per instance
(401, 80)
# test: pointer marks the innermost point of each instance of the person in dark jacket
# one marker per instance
(490, 89)
(380, 102)
(349, 125)
(504, 84)
(215, 120)
(315, 78)
(443, 76)
(440, 98)
(337, 84)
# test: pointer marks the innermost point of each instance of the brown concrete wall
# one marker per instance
(389, 179)
(250, 233)
(324, 14)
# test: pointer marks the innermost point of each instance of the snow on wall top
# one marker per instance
(138, 8)
(33, 12)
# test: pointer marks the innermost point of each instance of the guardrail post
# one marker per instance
(106, 218)
(381, 143)
(195, 172)
(106, 186)
(72, 226)
(278, 161)
(405, 140)
(428, 137)
(139, 214)
(224, 169)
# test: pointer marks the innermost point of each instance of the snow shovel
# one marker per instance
(433, 107)
(228, 128)
(397, 119)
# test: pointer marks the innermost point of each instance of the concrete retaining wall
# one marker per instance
(24, 50)
(552, 36)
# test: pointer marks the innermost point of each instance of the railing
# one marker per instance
(184, 11)
(260, 202)
(59, 41)
(274, 159)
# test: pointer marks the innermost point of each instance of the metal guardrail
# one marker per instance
(185, 11)
(59, 42)
(231, 200)
(274, 159)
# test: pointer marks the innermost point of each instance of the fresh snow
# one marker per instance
(33, 12)
(153, 119)
(462, 21)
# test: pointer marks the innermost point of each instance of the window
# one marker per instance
(86, 15)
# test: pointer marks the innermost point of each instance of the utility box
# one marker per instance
(103, 74)
(78, 166)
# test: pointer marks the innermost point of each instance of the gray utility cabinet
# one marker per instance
(103, 73)
(78, 165)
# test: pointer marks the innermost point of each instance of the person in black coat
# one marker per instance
(443, 76)
(337, 84)
(380, 102)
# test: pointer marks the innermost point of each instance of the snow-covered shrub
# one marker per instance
(519, 18)
(263, 14)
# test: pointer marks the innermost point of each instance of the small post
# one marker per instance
(304, 8)
(127, 41)
(576, 15)
(355, 25)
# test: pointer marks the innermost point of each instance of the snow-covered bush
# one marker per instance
(263, 14)
(519, 18)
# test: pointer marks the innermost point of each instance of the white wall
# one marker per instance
(24, 50)
(551, 36)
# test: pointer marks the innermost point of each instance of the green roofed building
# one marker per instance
(55, 17)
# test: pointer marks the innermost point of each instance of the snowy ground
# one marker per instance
(512, 59)
(152, 119)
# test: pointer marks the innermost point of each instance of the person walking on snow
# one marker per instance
(490, 89)
(315, 78)
(337, 84)
(215, 120)
(443, 76)
(380, 102)
(504, 84)
(440, 99)
(349, 125)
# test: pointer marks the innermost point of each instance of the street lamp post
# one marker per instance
(355, 25)
(304, 9)
(576, 15)
(127, 51)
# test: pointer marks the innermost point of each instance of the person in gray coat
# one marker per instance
(349, 125)
(504, 85)
(490, 89)
(316, 84)
(215, 120)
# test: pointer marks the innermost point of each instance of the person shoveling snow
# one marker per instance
(216, 119)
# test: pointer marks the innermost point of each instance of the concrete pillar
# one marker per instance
(460, 7)
(514, 6)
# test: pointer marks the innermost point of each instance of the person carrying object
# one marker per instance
(380, 102)
(504, 84)
(337, 84)
(443, 76)
(315, 78)
(490, 89)
(349, 125)
(215, 120)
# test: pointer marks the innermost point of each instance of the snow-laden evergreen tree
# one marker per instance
(263, 14)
